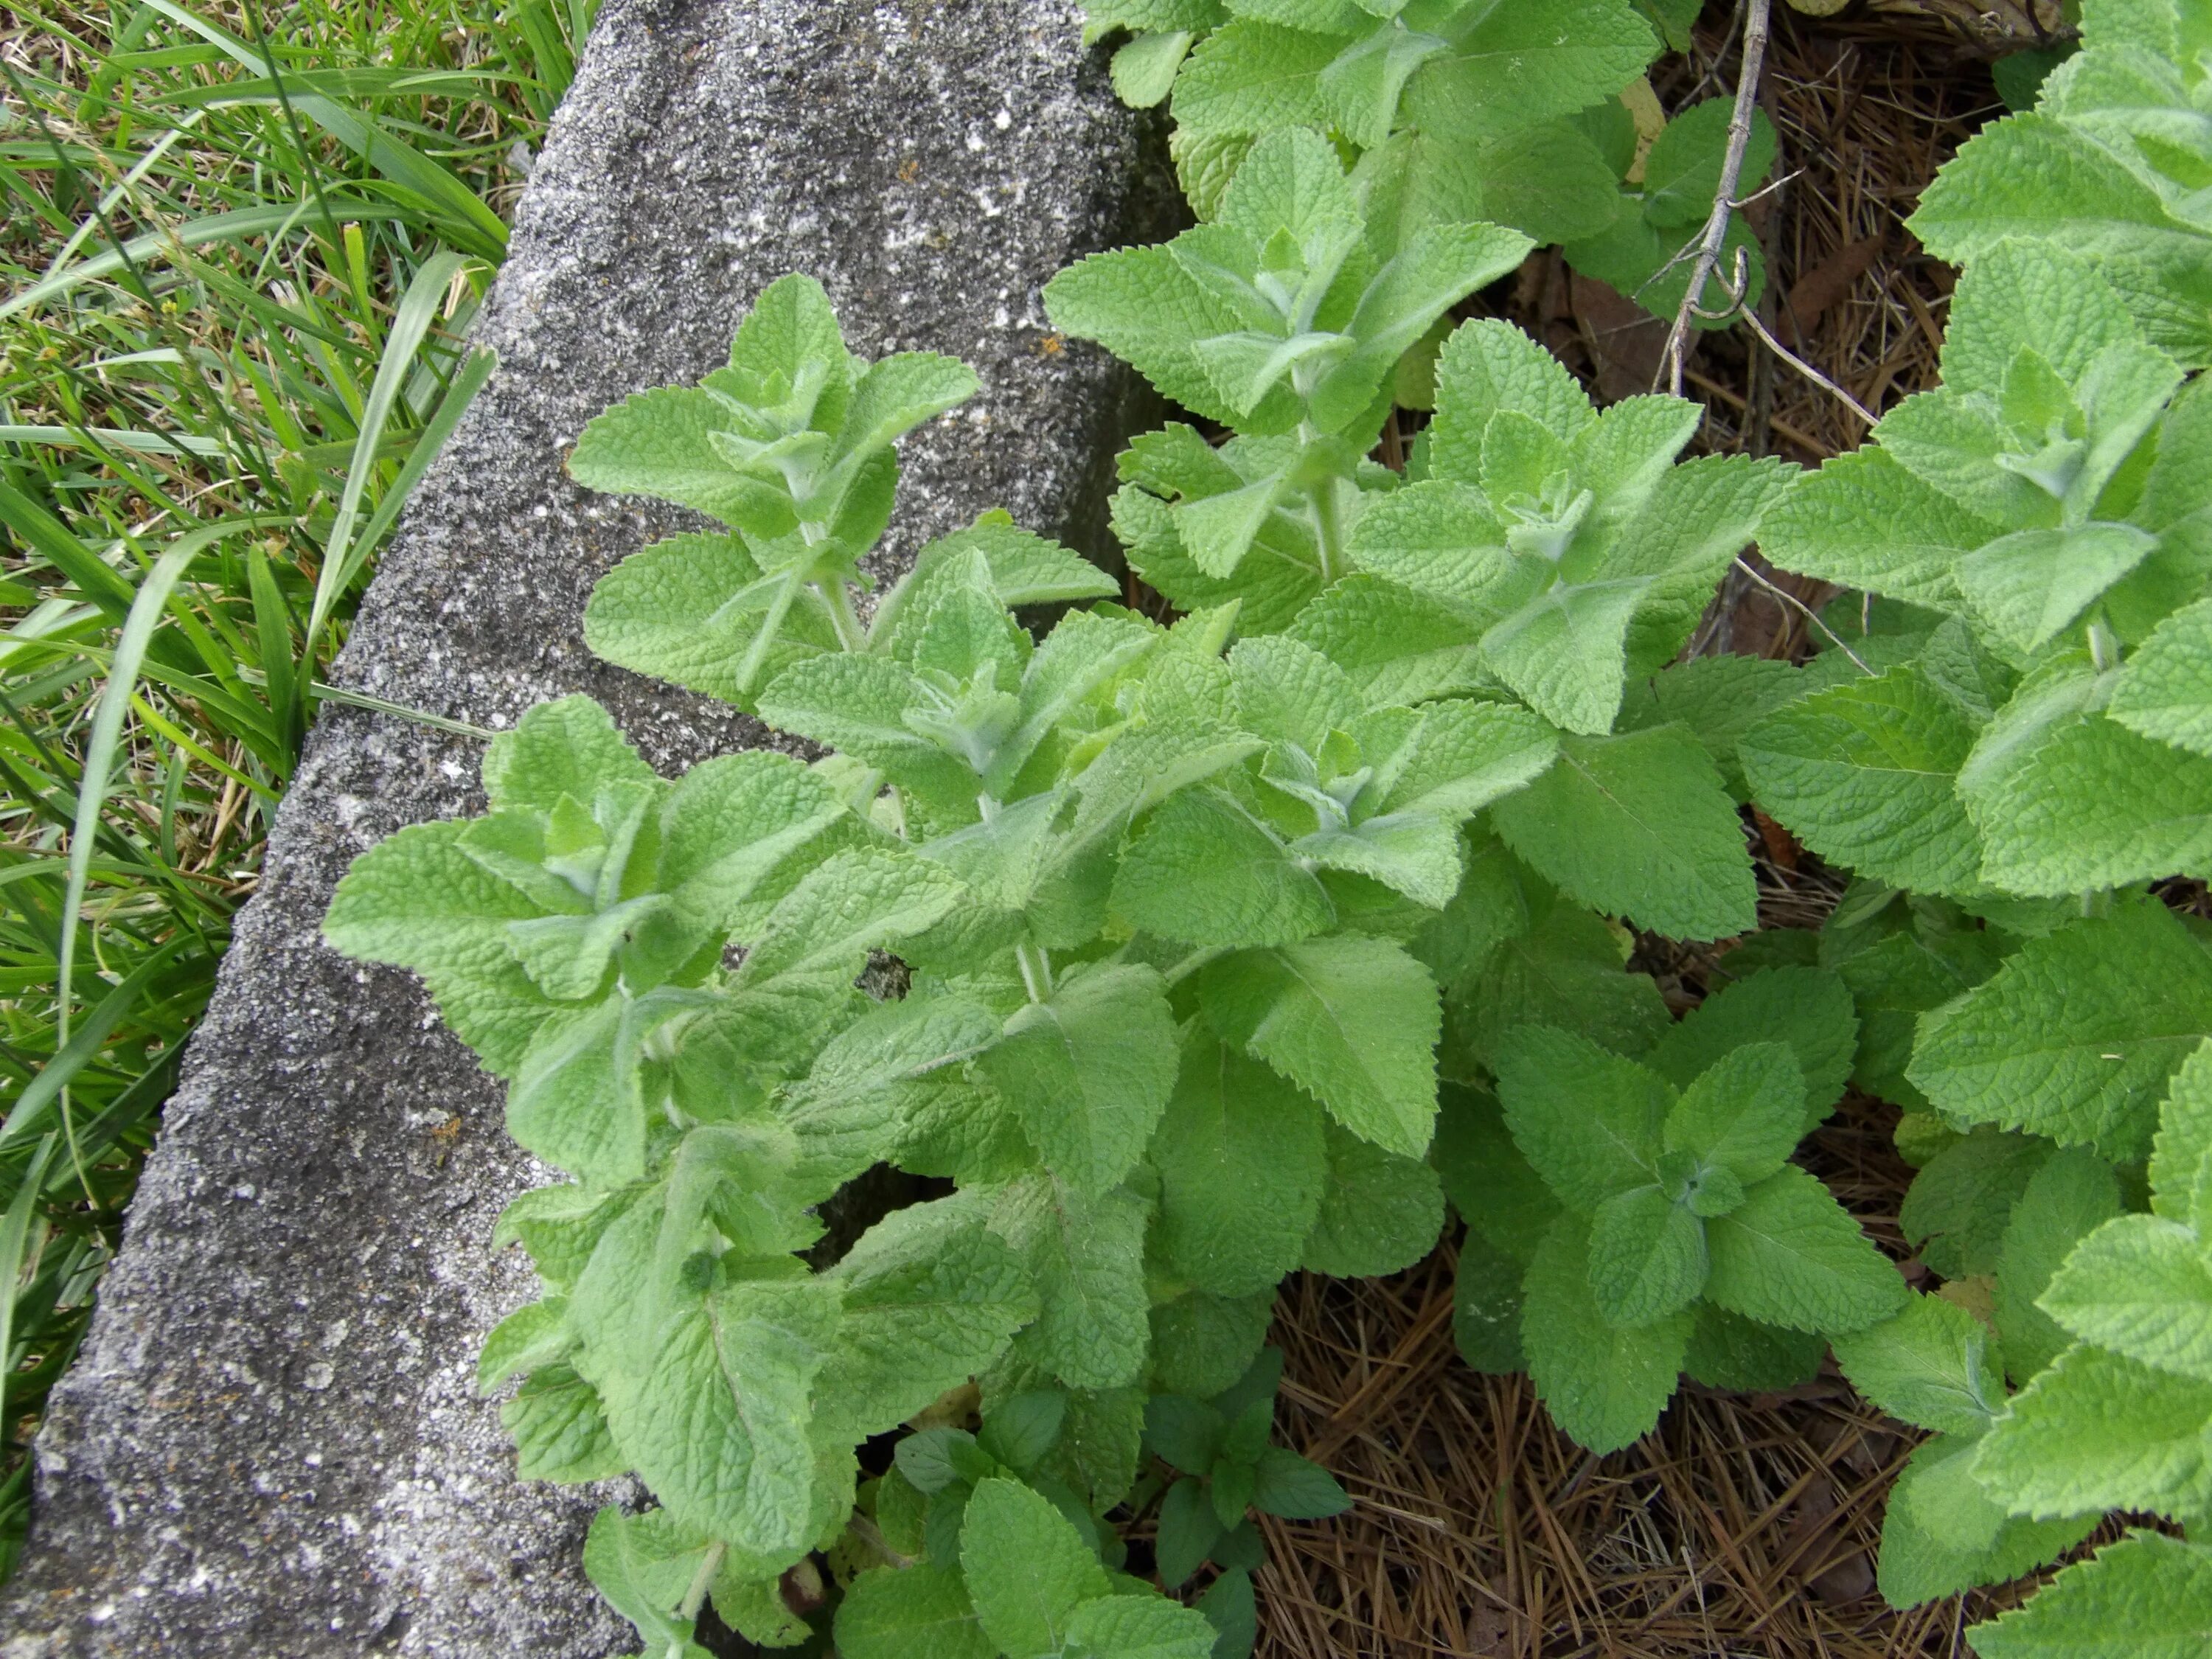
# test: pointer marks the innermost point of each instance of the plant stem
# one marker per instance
(697, 1594)
(1036, 971)
(1756, 21)
(850, 633)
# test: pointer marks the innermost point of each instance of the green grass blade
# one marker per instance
(14, 1234)
(440, 427)
(410, 327)
(239, 225)
(477, 227)
(35, 1103)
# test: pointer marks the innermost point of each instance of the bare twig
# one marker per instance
(1756, 21)
(1750, 314)
(1806, 611)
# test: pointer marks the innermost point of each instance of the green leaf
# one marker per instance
(1144, 68)
(1932, 1365)
(1137, 1627)
(2140, 1287)
(2185, 1137)
(1863, 772)
(690, 608)
(1958, 1207)
(1682, 171)
(736, 824)
(1438, 539)
(1640, 825)
(2096, 1432)
(1488, 365)
(1353, 1021)
(930, 1299)
(569, 746)
(2076, 1035)
(1808, 1008)
(643, 1564)
(861, 900)
(1379, 1212)
(1206, 871)
(895, 1613)
(2034, 584)
(1917, 1566)
(1744, 1113)
(1569, 969)
(1398, 646)
(1729, 1352)
(1251, 77)
(1087, 1257)
(2148, 1596)
(1588, 1120)
(1603, 1385)
(1518, 64)
(1864, 521)
(1241, 1166)
(715, 1416)
(1188, 1529)
(1716, 699)
(898, 394)
(1563, 651)
(1202, 1344)
(559, 1426)
(1090, 1071)
(1027, 1569)
(1288, 1486)
(536, 1334)
(1790, 1256)
(577, 1100)
(2165, 690)
(662, 443)
(1438, 268)
(2029, 177)
(417, 900)
(2085, 803)
(1647, 1257)
(2074, 1194)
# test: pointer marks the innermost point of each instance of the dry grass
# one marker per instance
(1743, 1525)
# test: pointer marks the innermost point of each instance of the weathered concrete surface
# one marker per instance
(270, 1446)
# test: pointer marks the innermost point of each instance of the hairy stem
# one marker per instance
(850, 635)
(695, 1596)
(1036, 971)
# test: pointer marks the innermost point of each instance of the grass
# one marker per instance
(239, 246)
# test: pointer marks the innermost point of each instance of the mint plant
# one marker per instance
(1659, 1227)
(2043, 506)
(2110, 163)
(1459, 111)
(1168, 959)
(1157, 1024)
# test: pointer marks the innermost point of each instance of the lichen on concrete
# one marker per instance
(271, 1444)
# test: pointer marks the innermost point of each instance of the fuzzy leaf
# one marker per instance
(1792, 1257)
(2148, 1596)
(1241, 1166)
(1027, 1568)
(1380, 1212)
(1863, 772)
(2095, 1432)
(1640, 825)
(2076, 1035)
(1588, 1120)
(2140, 1287)
(1603, 1385)
(1353, 1021)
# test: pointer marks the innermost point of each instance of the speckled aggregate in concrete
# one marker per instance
(270, 1446)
